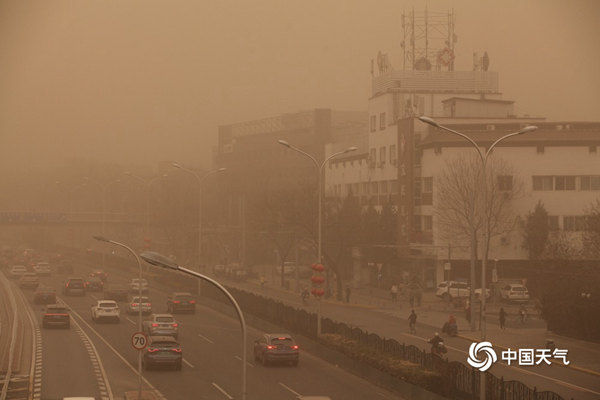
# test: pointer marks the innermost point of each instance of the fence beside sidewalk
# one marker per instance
(460, 380)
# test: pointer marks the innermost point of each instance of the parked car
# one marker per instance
(93, 284)
(448, 290)
(134, 285)
(44, 295)
(99, 274)
(116, 292)
(161, 325)
(181, 301)
(162, 351)
(105, 309)
(29, 280)
(74, 287)
(16, 271)
(276, 347)
(56, 315)
(42, 269)
(136, 303)
(514, 292)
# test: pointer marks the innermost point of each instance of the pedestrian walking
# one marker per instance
(522, 314)
(502, 318)
(412, 322)
(348, 294)
(394, 292)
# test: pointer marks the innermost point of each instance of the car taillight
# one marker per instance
(295, 347)
(151, 350)
(269, 347)
(147, 304)
(176, 301)
(176, 350)
(175, 325)
(134, 304)
(155, 325)
(192, 301)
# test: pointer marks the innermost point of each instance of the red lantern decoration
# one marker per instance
(318, 267)
(317, 279)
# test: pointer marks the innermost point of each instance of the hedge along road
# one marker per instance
(211, 347)
(568, 383)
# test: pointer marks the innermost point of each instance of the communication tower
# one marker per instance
(428, 40)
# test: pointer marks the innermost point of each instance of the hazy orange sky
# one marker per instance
(143, 81)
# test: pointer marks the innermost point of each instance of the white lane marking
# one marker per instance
(187, 363)
(128, 319)
(290, 389)
(102, 378)
(205, 338)
(134, 370)
(93, 297)
(247, 362)
(563, 383)
(220, 389)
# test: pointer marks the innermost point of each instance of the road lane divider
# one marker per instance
(286, 387)
(220, 389)
(131, 367)
(247, 362)
(99, 371)
(187, 363)
(130, 320)
(205, 338)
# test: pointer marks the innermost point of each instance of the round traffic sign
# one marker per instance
(139, 340)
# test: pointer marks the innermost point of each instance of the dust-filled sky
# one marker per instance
(142, 81)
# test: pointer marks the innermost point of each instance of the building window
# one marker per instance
(393, 155)
(365, 187)
(356, 189)
(382, 121)
(393, 186)
(349, 190)
(426, 187)
(383, 187)
(543, 183)
(505, 182)
(373, 123)
(574, 223)
(553, 222)
(382, 155)
(589, 182)
(417, 223)
(372, 157)
(564, 183)
(427, 223)
(374, 188)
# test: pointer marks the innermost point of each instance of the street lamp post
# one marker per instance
(148, 184)
(137, 258)
(104, 189)
(320, 194)
(483, 157)
(165, 262)
(200, 180)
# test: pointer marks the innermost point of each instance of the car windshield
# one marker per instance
(56, 310)
(137, 281)
(164, 319)
(165, 344)
(137, 300)
(184, 297)
(282, 341)
(29, 275)
(107, 304)
(518, 289)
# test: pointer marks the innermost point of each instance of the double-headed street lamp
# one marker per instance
(320, 196)
(200, 179)
(148, 184)
(483, 158)
(137, 258)
(165, 262)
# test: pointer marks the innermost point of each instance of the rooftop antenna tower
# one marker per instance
(428, 40)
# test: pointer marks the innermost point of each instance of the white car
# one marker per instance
(134, 285)
(106, 309)
(135, 303)
(448, 290)
(17, 271)
(514, 292)
(478, 293)
(161, 325)
(42, 269)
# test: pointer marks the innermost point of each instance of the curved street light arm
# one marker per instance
(332, 156)
(314, 160)
(522, 131)
(481, 156)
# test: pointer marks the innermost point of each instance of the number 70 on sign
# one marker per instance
(139, 340)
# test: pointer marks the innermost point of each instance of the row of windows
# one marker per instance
(366, 188)
(383, 150)
(570, 222)
(422, 223)
(373, 122)
(567, 182)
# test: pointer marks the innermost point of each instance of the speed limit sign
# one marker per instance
(139, 340)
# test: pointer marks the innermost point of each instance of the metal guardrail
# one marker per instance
(41, 218)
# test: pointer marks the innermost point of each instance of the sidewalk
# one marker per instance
(433, 313)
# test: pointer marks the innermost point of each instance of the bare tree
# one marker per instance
(459, 209)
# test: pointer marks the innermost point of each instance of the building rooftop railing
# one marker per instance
(437, 81)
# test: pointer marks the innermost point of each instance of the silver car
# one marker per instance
(161, 325)
(135, 304)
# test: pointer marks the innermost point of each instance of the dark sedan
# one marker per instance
(181, 302)
(276, 347)
(93, 284)
(116, 292)
(56, 315)
(162, 351)
(44, 295)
